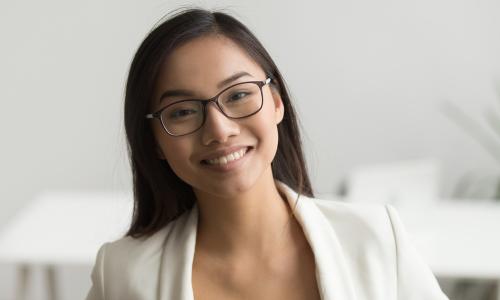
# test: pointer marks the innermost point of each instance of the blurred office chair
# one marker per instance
(413, 182)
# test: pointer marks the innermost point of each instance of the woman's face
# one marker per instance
(198, 67)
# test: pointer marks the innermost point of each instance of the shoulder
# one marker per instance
(356, 210)
(377, 221)
(136, 247)
(356, 225)
(130, 266)
(365, 233)
(377, 245)
(129, 250)
(362, 219)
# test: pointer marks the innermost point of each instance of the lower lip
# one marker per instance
(230, 166)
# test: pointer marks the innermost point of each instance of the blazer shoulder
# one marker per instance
(128, 266)
(360, 226)
(120, 266)
(337, 212)
(136, 247)
(379, 231)
(129, 252)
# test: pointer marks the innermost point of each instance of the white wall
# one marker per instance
(368, 78)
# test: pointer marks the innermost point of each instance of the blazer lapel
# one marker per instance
(332, 274)
(177, 259)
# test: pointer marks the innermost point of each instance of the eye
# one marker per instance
(238, 96)
(180, 113)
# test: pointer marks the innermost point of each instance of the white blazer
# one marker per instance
(362, 252)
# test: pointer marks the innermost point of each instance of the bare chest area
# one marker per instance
(293, 280)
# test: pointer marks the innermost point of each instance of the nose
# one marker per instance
(218, 128)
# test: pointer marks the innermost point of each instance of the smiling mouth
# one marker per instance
(224, 160)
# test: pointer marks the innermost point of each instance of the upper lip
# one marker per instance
(223, 152)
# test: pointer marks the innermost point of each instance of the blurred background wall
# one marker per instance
(369, 79)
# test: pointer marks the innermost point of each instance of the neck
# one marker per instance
(254, 223)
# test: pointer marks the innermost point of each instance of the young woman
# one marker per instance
(224, 208)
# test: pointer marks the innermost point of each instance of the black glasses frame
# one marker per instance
(205, 102)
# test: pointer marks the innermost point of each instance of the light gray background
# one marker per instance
(367, 77)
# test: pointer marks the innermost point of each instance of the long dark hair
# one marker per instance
(159, 194)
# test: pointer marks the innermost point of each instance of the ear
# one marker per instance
(279, 109)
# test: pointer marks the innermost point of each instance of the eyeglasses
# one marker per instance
(238, 101)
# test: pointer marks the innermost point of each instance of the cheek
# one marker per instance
(171, 147)
(175, 150)
(177, 156)
(268, 133)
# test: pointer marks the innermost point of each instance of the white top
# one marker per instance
(362, 252)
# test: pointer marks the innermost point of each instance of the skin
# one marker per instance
(248, 246)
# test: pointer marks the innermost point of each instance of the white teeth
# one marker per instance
(228, 158)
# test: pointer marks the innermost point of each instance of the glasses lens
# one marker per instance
(183, 117)
(241, 100)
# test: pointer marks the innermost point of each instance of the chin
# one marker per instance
(228, 188)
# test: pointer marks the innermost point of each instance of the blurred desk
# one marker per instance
(62, 229)
(457, 238)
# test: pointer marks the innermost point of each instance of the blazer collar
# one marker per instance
(332, 273)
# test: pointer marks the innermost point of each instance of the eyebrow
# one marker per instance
(188, 93)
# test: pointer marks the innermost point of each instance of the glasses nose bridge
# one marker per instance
(215, 100)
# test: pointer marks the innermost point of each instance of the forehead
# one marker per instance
(200, 64)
